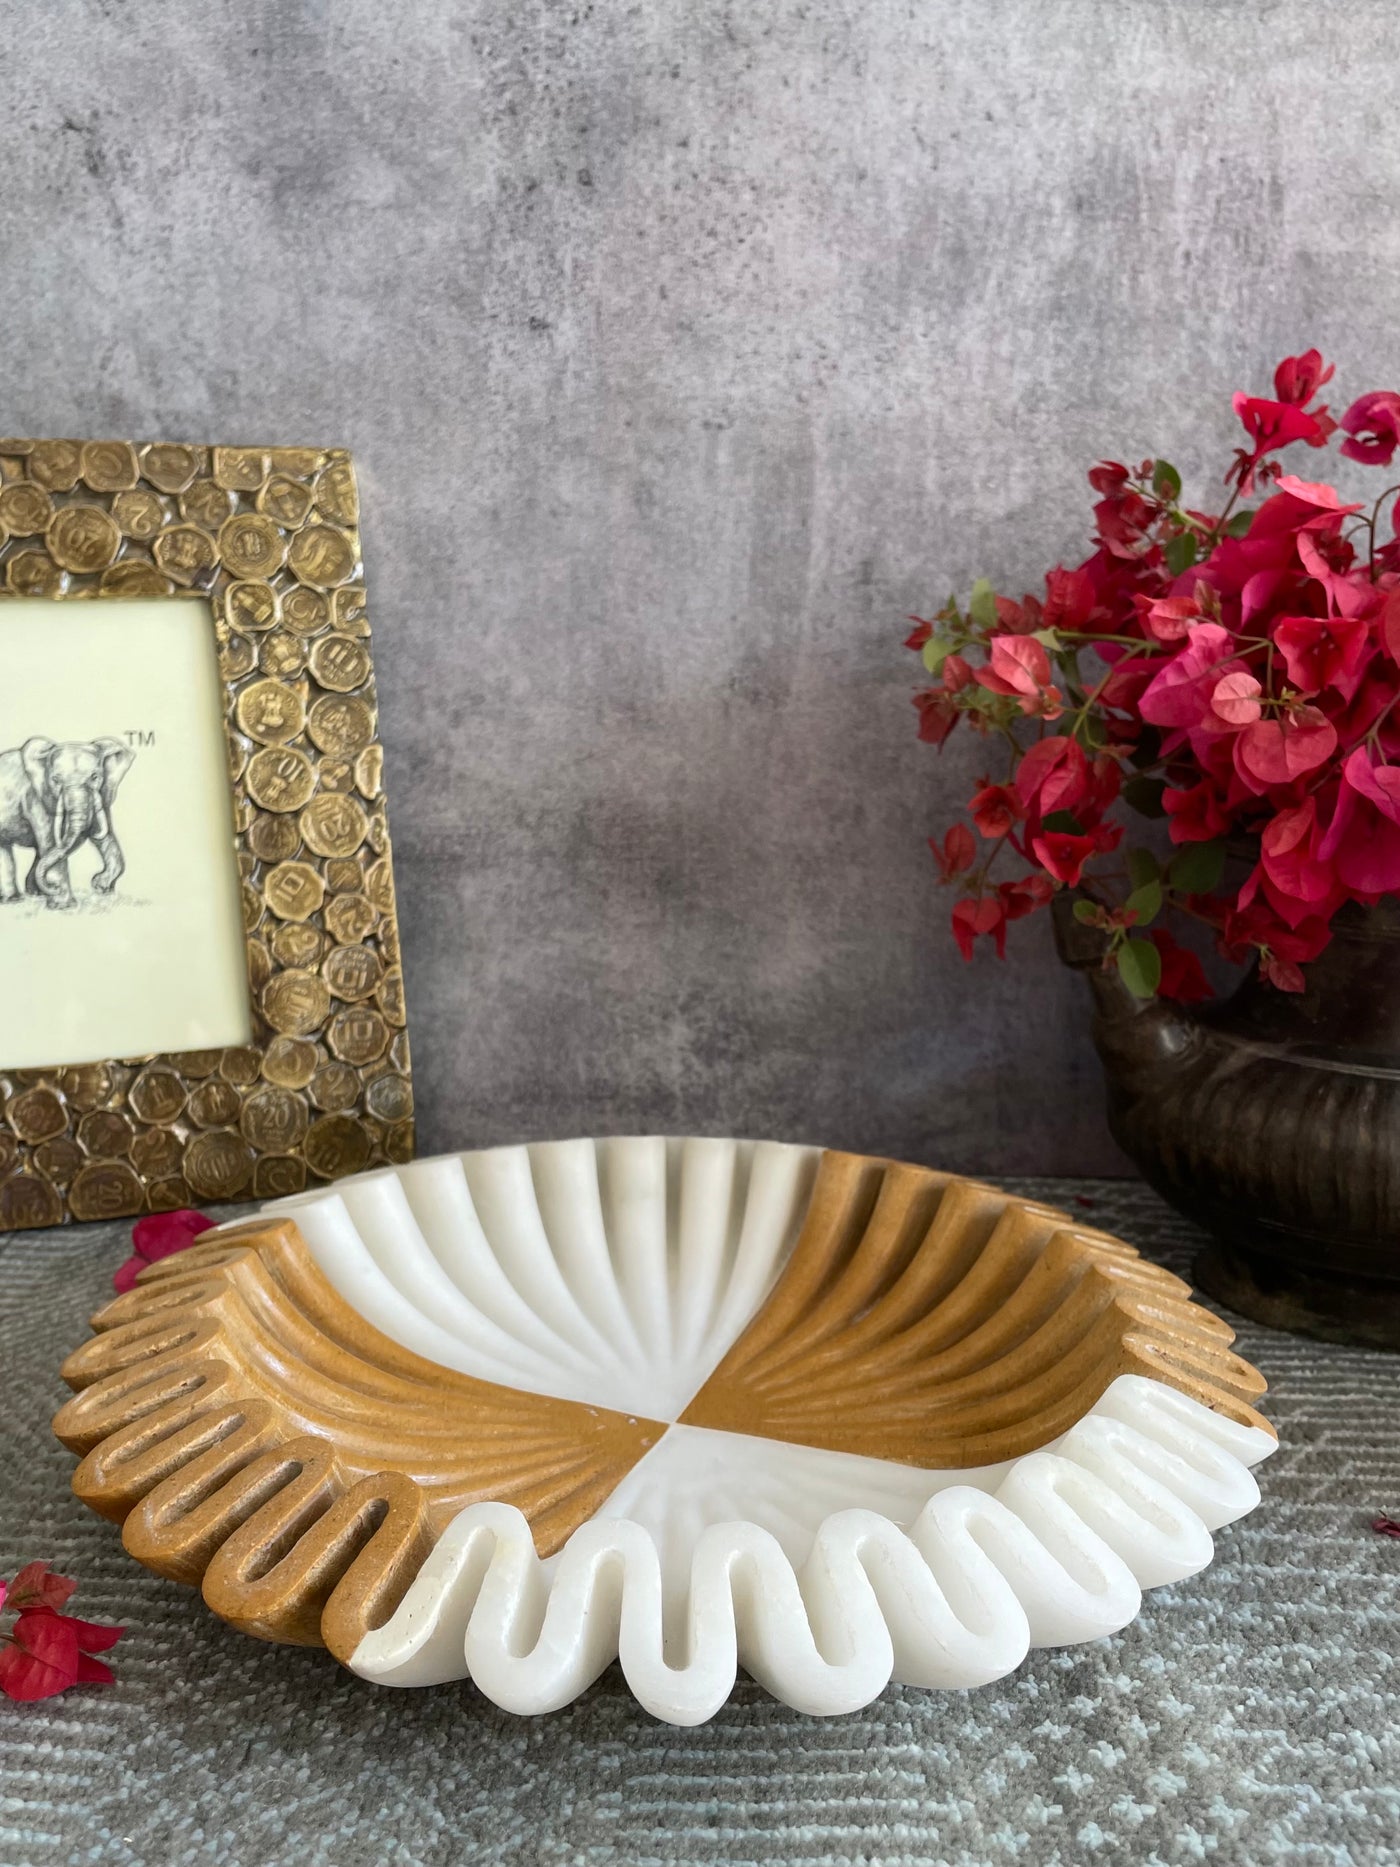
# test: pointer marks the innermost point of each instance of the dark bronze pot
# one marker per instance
(1273, 1120)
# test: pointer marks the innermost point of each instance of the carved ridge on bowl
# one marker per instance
(193, 1440)
(1002, 1320)
(256, 1436)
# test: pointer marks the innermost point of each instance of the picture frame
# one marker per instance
(318, 1083)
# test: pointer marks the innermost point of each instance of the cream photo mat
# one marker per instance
(159, 963)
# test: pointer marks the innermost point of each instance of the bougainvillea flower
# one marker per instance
(1063, 854)
(1108, 477)
(1323, 651)
(1372, 425)
(1257, 927)
(957, 674)
(1183, 976)
(45, 1652)
(1233, 663)
(1330, 560)
(1069, 598)
(1363, 839)
(1277, 751)
(1234, 701)
(1053, 775)
(1019, 666)
(1180, 694)
(1296, 879)
(1316, 494)
(1197, 814)
(996, 808)
(920, 633)
(1168, 618)
(1297, 379)
(957, 853)
(937, 715)
(983, 914)
(1025, 895)
(1272, 425)
(158, 1236)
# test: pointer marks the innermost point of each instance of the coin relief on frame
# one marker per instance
(267, 538)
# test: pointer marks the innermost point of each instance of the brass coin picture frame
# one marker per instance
(269, 537)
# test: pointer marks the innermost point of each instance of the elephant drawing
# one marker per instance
(53, 798)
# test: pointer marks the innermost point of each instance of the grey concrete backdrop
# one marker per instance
(685, 346)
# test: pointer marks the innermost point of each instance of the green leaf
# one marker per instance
(1048, 639)
(1144, 795)
(982, 606)
(1180, 552)
(1238, 524)
(1145, 903)
(1063, 822)
(1139, 967)
(1086, 912)
(1196, 869)
(1143, 867)
(1166, 481)
(935, 653)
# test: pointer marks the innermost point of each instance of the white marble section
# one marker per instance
(614, 1272)
(823, 1575)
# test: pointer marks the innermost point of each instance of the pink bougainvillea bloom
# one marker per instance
(957, 673)
(1255, 926)
(1180, 694)
(1315, 493)
(937, 715)
(1363, 839)
(1019, 666)
(1297, 379)
(1024, 896)
(1108, 477)
(1069, 598)
(985, 914)
(1372, 425)
(1298, 882)
(45, 1652)
(957, 853)
(1323, 651)
(996, 808)
(1063, 855)
(1279, 750)
(1183, 976)
(1235, 699)
(1168, 618)
(1285, 974)
(1053, 775)
(1198, 815)
(158, 1236)
(37, 1586)
(1277, 424)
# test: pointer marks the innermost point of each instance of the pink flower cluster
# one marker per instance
(45, 1652)
(1235, 673)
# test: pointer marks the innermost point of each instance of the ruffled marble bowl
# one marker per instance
(511, 1415)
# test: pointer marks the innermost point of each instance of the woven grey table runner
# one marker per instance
(1251, 1714)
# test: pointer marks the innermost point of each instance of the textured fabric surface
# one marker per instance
(686, 346)
(1249, 1715)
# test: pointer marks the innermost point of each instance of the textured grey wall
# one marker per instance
(685, 346)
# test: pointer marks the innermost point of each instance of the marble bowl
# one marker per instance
(513, 1414)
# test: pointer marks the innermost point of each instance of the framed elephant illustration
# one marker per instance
(54, 798)
(202, 997)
